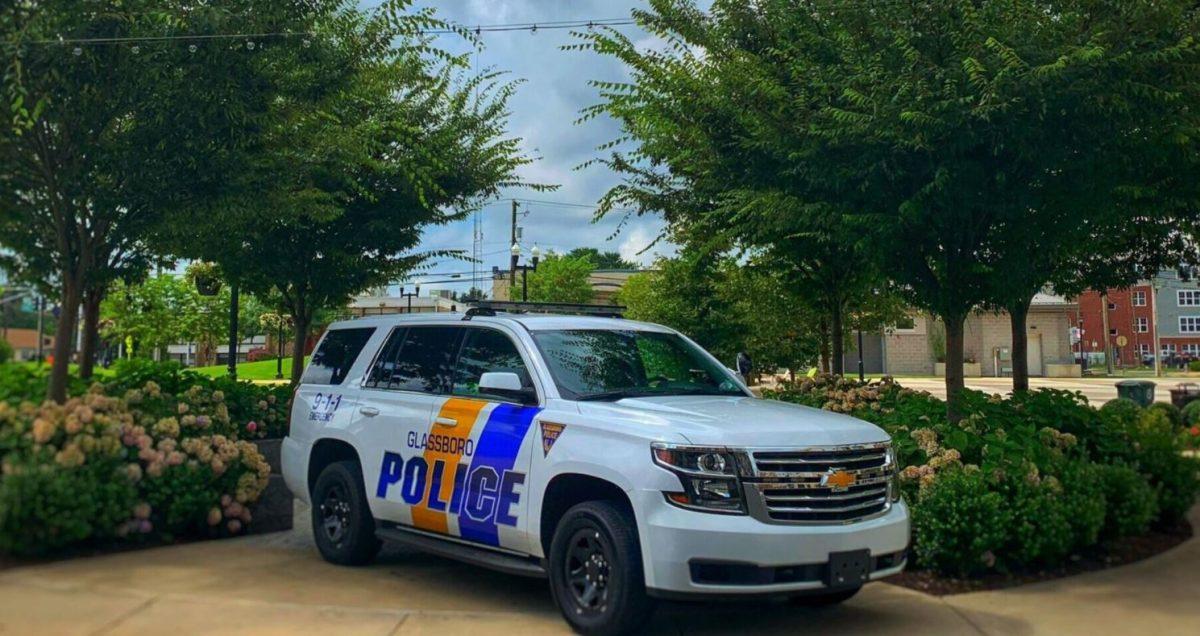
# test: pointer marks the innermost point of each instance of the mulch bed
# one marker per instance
(1122, 552)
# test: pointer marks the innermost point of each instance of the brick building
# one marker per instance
(1131, 320)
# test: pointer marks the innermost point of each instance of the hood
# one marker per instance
(739, 421)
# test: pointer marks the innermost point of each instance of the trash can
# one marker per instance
(1185, 392)
(1140, 391)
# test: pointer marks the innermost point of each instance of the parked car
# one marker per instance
(618, 459)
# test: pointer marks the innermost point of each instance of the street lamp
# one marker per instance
(536, 255)
(279, 348)
(416, 292)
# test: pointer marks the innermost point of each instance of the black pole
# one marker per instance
(233, 328)
(862, 376)
(524, 284)
(41, 328)
(279, 350)
(409, 296)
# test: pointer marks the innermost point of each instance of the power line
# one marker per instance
(457, 29)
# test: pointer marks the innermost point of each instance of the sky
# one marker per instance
(555, 87)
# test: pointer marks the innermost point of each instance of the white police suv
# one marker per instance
(616, 458)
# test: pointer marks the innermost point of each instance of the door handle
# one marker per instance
(369, 411)
(445, 421)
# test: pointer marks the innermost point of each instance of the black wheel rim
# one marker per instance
(335, 514)
(588, 570)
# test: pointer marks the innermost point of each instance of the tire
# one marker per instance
(343, 527)
(825, 599)
(598, 541)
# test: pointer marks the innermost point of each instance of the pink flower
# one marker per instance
(251, 426)
(226, 500)
(145, 526)
(234, 525)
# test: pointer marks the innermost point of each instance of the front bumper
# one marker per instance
(696, 553)
(294, 463)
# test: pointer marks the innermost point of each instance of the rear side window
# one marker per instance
(417, 359)
(332, 360)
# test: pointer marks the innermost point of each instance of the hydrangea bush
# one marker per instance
(1024, 482)
(144, 466)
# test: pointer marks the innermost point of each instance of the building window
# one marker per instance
(1112, 332)
(1141, 324)
(1168, 349)
(1139, 299)
(1112, 306)
(1189, 324)
(1192, 349)
(1189, 298)
(1143, 349)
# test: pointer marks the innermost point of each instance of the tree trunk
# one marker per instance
(954, 366)
(837, 342)
(298, 342)
(824, 362)
(1018, 315)
(64, 335)
(91, 333)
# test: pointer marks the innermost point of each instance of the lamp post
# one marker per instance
(279, 348)
(536, 255)
(416, 292)
(1155, 286)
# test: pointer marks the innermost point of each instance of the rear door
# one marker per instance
(408, 380)
(328, 390)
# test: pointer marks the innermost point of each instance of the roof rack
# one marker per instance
(490, 307)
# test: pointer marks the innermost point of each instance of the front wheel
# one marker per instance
(596, 570)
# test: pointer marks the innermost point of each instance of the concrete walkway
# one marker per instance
(278, 585)
(1097, 390)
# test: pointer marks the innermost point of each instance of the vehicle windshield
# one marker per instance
(603, 364)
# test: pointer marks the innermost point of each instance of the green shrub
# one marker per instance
(22, 381)
(1040, 533)
(6, 352)
(95, 469)
(1084, 502)
(1191, 413)
(1130, 503)
(1194, 366)
(1121, 411)
(1169, 411)
(959, 524)
(1173, 477)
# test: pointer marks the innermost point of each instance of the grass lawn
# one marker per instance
(261, 370)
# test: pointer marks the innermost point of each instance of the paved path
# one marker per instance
(277, 584)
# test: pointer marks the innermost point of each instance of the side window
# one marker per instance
(385, 362)
(487, 350)
(421, 362)
(332, 360)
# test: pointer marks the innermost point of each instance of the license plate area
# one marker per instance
(848, 569)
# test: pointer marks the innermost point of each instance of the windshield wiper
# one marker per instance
(614, 395)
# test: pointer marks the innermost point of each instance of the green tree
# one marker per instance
(161, 311)
(372, 135)
(602, 260)
(103, 131)
(558, 279)
(926, 131)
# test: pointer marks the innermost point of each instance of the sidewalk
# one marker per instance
(1097, 390)
(277, 584)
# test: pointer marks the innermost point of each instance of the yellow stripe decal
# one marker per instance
(464, 412)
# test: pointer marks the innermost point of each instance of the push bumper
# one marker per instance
(688, 553)
(294, 463)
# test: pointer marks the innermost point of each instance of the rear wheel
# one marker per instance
(343, 527)
(825, 599)
(596, 570)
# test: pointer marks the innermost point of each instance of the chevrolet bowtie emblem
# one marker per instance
(838, 480)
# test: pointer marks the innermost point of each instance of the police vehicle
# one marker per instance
(616, 458)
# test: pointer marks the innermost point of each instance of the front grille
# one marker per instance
(810, 486)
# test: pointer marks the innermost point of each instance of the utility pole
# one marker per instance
(1108, 365)
(1155, 284)
(233, 328)
(512, 265)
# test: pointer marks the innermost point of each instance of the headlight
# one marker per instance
(894, 480)
(709, 477)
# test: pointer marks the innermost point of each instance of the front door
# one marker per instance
(1035, 354)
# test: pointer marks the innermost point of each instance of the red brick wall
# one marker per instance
(1121, 322)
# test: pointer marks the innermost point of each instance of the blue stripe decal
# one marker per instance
(497, 449)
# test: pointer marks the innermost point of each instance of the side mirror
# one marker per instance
(506, 384)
